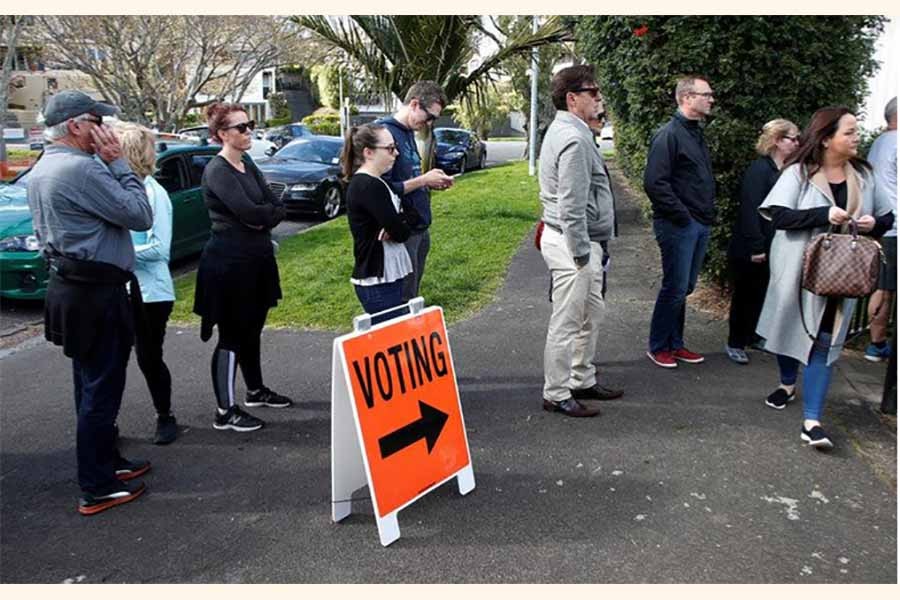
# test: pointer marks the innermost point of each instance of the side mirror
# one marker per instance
(271, 151)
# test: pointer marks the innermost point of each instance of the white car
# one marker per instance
(259, 148)
(607, 132)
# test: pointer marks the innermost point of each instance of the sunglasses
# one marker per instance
(389, 147)
(242, 127)
(98, 121)
(593, 91)
(793, 138)
(428, 116)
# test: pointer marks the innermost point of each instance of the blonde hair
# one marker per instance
(137, 147)
(771, 132)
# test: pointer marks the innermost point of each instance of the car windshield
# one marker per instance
(318, 151)
(448, 136)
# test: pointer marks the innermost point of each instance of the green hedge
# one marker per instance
(760, 68)
(323, 123)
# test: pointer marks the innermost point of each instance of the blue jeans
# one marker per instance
(99, 383)
(682, 250)
(816, 376)
(376, 298)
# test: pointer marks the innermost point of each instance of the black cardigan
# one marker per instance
(752, 232)
(369, 210)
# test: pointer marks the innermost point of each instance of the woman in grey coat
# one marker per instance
(823, 184)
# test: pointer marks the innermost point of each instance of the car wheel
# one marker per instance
(331, 203)
(483, 161)
(462, 165)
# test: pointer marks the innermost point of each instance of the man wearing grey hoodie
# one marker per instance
(578, 217)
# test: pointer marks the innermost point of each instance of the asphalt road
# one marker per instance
(688, 478)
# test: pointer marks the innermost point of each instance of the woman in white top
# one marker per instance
(151, 251)
(378, 223)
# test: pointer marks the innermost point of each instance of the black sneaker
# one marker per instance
(91, 504)
(238, 420)
(779, 399)
(266, 397)
(816, 437)
(129, 469)
(166, 430)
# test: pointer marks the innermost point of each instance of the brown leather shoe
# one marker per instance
(598, 392)
(571, 408)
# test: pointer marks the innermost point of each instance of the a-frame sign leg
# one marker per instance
(348, 473)
(388, 528)
(465, 479)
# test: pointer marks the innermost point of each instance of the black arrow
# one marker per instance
(429, 426)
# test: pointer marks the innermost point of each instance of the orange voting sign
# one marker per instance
(399, 382)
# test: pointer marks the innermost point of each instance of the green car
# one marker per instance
(23, 272)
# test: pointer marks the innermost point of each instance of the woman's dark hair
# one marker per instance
(358, 139)
(568, 80)
(216, 115)
(810, 153)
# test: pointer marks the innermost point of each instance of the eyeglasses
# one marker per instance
(593, 91)
(429, 117)
(242, 127)
(390, 147)
(704, 94)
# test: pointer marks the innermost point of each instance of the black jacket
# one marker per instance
(753, 233)
(678, 178)
(369, 210)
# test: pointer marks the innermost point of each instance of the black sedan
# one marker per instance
(459, 150)
(306, 174)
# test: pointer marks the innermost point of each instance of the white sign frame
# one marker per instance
(349, 469)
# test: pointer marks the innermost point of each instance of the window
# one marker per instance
(198, 163)
(169, 175)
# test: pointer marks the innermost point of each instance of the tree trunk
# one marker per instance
(9, 63)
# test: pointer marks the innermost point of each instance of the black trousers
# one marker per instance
(149, 350)
(243, 339)
(99, 382)
(749, 281)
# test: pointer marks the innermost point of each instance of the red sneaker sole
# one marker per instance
(663, 365)
(132, 474)
(98, 508)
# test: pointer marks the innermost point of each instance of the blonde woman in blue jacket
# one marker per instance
(152, 250)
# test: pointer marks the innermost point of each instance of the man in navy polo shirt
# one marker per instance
(422, 106)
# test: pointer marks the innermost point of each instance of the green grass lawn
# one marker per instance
(478, 225)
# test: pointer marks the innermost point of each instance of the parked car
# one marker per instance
(459, 150)
(258, 149)
(23, 272)
(306, 174)
(607, 132)
(283, 135)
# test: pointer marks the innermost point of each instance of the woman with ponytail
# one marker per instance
(378, 223)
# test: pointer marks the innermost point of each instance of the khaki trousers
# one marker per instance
(578, 310)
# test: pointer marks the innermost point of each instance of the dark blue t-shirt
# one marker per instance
(407, 166)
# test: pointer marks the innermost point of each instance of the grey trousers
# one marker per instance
(417, 245)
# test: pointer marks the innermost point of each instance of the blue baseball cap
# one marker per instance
(68, 104)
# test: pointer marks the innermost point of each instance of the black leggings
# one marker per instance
(238, 345)
(749, 281)
(149, 350)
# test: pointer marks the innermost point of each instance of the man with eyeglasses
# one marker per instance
(82, 212)
(679, 181)
(422, 106)
(578, 219)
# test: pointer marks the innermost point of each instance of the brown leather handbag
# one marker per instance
(841, 265)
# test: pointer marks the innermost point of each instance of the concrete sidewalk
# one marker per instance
(689, 478)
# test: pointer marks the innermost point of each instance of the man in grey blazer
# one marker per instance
(578, 217)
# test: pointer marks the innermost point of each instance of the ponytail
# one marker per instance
(359, 137)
